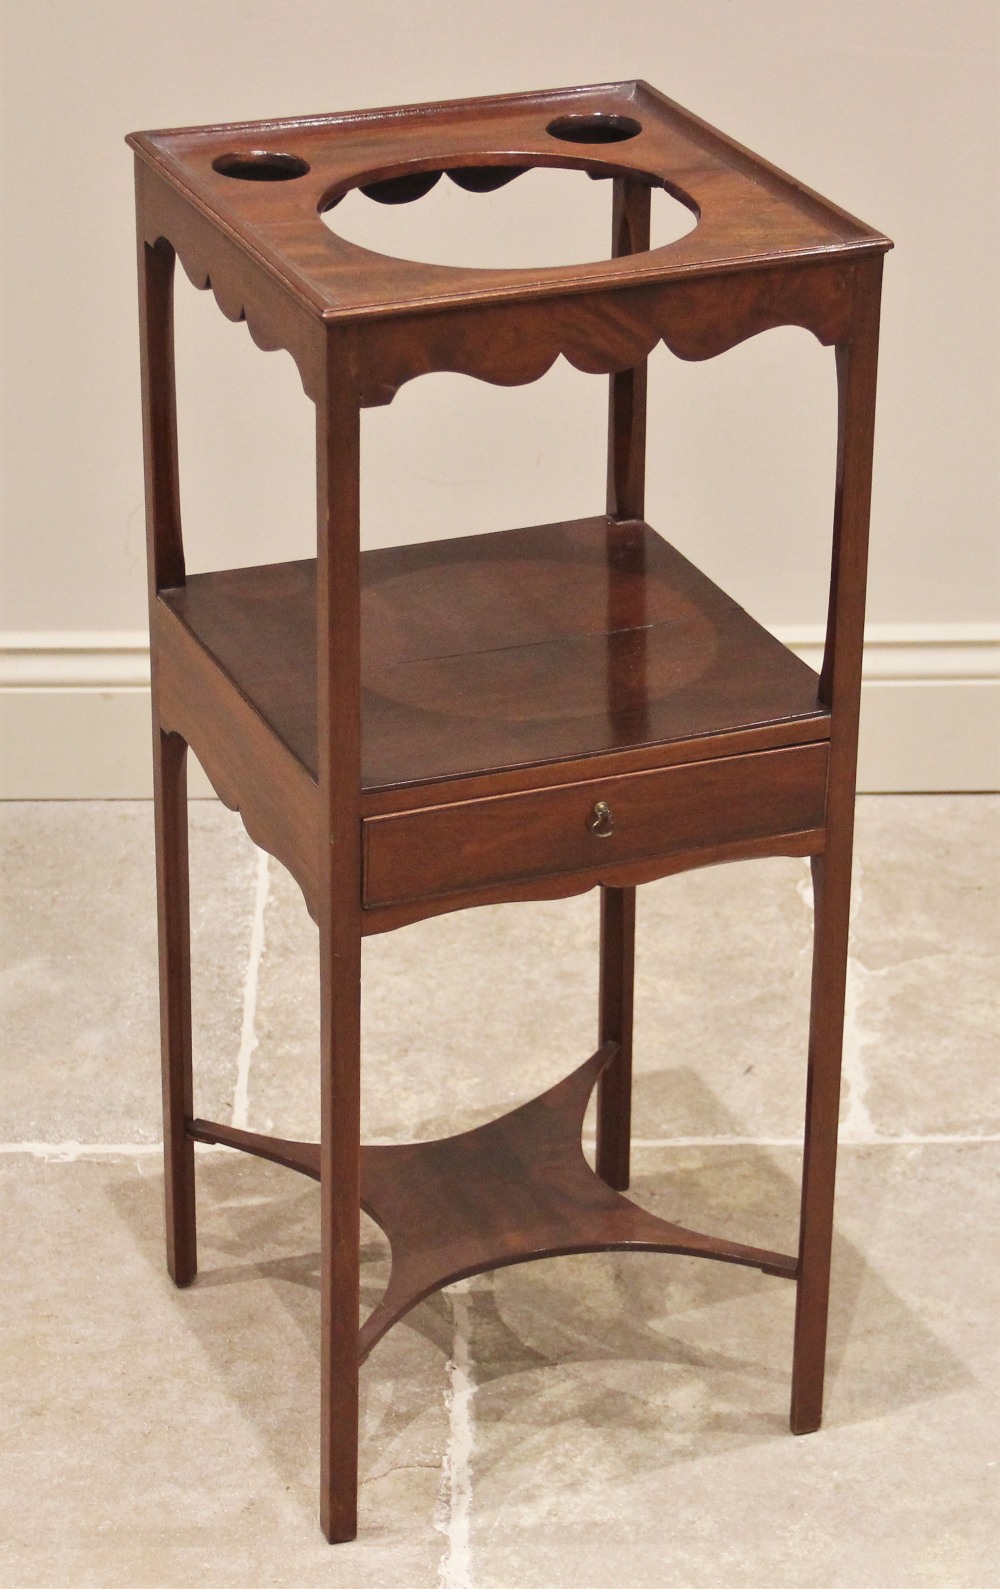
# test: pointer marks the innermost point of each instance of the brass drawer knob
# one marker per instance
(600, 822)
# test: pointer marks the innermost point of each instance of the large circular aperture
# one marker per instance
(494, 217)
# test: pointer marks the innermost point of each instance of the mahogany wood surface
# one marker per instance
(165, 563)
(515, 1189)
(233, 742)
(748, 212)
(452, 848)
(625, 500)
(857, 363)
(521, 715)
(338, 630)
(264, 249)
(614, 1025)
(509, 650)
(695, 317)
(560, 885)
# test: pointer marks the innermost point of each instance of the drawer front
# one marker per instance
(603, 823)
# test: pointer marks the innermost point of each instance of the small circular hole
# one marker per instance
(259, 165)
(597, 128)
(401, 190)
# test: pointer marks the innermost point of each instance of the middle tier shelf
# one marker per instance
(503, 652)
(513, 685)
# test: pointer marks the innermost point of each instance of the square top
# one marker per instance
(266, 185)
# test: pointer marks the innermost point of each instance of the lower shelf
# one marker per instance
(515, 1189)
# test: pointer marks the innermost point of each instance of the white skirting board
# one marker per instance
(74, 712)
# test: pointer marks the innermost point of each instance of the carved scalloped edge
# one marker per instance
(257, 830)
(211, 262)
(600, 333)
(232, 306)
(386, 918)
(231, 301)
(512, 344)
(263, 841)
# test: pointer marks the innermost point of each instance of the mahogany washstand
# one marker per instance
(514, 716)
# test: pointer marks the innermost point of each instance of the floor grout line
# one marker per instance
(70, 1150)
(455, 1499)
(248, 1030)
(902, 1139)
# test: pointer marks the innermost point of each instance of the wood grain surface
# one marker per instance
(520, 715)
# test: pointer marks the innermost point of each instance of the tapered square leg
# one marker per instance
(340, 1188)
(831, 888)
(614, 1090)
(338, 614)
(840, 686)
(173, 915)
(625, 493)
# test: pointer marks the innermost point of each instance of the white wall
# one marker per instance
(891, 109)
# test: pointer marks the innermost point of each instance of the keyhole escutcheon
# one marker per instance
(601, 822)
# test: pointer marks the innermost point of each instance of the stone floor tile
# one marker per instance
(926, 875)
(925, 1037)
(630, 1414)
(722, 989)
(78, 1002)
(283, 1094)
(467, 1015)
(723, 962)
(925, 966)
(464, 1016)
(165, 1438)
(617, 1418)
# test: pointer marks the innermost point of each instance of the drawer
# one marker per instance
(592, 826)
